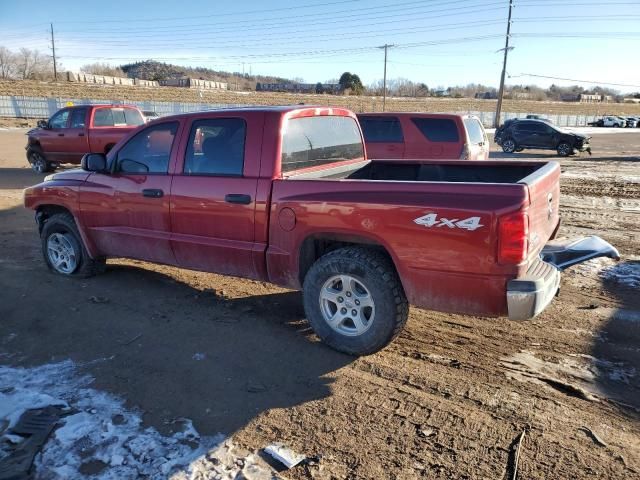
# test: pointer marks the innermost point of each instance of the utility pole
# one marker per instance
(53, 47)
(384, 79)
(504, 68)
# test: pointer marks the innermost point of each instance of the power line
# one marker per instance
(595, 82)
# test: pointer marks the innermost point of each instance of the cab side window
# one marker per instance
(148, 151)
(78, 116)
(59, 120)
(216, 147)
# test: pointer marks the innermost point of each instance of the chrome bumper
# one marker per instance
(529, 295)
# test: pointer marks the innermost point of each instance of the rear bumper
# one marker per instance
(529, 295)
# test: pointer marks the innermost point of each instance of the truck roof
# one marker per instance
(281, 109)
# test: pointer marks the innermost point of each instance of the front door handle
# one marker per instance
(61, 134)
(238, 198)
(81, 134)
(152, 193)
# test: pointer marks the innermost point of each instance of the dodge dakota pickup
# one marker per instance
(287, 195)
(72, 132)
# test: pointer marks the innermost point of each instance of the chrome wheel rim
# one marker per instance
(62, 254)
(347, 305)
(38, 163)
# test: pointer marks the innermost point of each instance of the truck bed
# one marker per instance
(433, 171)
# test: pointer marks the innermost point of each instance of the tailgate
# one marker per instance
(544, 197)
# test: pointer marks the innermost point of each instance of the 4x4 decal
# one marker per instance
(432, 220)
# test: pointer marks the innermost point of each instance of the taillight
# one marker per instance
(465, 152)
(513, 238)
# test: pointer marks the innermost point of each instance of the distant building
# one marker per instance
(297, 87)
(186, 82)
(486, 95)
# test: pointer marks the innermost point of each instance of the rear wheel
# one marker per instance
(39, 163)
(509, 146)
(354, 300)
(63, 250)
(564, 149)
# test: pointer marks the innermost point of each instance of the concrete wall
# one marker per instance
(82, 77)
(194, 83)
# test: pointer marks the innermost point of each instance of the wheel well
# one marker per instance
(316, 246)
(43, 212)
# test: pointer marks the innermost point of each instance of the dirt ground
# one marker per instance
(448, 399)
(33, 88)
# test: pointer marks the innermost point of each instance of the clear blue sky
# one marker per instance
(438, 42)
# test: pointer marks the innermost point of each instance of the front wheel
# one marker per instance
(354, 300)
(63, 249)
(564, 149)
(509, 146)
(39, 163)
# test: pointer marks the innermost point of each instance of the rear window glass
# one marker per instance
(312, 141)
(437, 129)
(475, 130)
(381, 129)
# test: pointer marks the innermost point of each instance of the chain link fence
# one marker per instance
(39, 107)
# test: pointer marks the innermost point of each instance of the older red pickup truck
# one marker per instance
(72, 132)
(286, 195)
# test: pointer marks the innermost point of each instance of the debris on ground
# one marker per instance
(284, 455)
(597, 440)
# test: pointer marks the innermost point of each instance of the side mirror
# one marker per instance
(94, 162)
(43, 124)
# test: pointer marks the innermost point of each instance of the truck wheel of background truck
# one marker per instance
(354, 300)
(39, 162)
(509, 146)
(63, 249)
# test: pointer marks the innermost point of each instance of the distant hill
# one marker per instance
(153, 70)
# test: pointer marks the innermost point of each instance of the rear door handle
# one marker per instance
(61, 134)
(238, 198)
(81, 134)
(152, 193)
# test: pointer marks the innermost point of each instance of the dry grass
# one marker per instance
(358, 104)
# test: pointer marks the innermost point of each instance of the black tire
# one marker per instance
(509, 145)
(39, 163)
(519, 149)
(616, 125)
(62, 225)
(372, 270)
(564, 149)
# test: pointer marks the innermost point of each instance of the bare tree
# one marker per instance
(7, 63)
(33, 65)
(103, 69)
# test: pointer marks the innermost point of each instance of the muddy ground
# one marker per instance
(448, 399)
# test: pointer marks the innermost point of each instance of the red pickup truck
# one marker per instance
(286, 195)
(74, 131)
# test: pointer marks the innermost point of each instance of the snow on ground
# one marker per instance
(101, 439)
(625, 272)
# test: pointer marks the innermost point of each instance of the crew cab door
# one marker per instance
(76, 140)
(52, 139)
(126, 211)
(383, 136)
(213, 196)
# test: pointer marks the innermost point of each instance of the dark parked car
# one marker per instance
(516, 135)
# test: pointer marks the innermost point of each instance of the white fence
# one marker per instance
(39, 107)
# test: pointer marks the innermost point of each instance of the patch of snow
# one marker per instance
(100, 428)
(623, 272)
